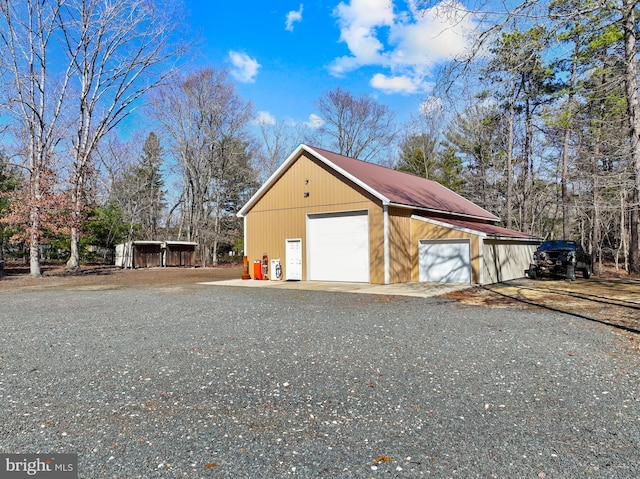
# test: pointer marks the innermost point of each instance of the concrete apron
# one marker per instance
(420, 290)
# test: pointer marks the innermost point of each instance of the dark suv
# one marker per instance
(560, 258)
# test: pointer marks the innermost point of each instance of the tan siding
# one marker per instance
(400, 254)
(376, 248)
(506, 260)
(281, 213)
(324, 190)
(423, 230)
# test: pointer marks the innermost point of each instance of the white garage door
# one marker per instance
(445, 261)
(338, 247)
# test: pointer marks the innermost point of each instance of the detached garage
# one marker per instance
(327, 217)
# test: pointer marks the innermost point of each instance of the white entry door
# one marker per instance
(338, 247)
(445, 261)
(293, 259)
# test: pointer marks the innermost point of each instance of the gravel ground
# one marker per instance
(220, 382)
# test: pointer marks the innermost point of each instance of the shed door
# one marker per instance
(445, 261)
(293, 259)
(338, 247)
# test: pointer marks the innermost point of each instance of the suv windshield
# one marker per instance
(558, 244)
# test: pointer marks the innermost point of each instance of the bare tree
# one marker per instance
(118, 51)
(205, 121)
(629, 26)
(358, 127)
(79, 65)
(278, 140)
(34, 101)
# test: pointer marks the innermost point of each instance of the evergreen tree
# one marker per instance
(420, 156)
(152, 194)
(139, 192)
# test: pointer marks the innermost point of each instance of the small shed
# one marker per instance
(328, 217)
(154, 254)
(180, 253)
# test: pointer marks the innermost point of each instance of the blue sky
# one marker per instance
(284, 54)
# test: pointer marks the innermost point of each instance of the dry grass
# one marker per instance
(109, 277)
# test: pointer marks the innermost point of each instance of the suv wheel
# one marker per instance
(586, 272)
(533, 272)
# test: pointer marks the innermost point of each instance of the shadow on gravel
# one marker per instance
(539, 304)
(591, 297)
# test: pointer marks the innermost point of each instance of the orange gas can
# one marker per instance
(257, 269)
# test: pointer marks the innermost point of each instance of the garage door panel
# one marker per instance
(339, 247)
(445, 261)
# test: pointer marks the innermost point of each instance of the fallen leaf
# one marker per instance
(382, 458)
(210, 465)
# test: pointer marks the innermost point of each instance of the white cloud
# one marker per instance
(435, 34)
(398, 84)
(408, 44)
(244, 68)
(358, 22)
(265, 118)
(292, 17)
(314, 122)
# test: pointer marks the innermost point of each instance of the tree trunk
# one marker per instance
(528, 174)
(76, 219)
(34, 247)
(566, 223)
(510, 141)
(631, 88)
(623, 233)
(35, 197)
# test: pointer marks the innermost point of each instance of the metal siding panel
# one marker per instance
(400, 245)
(308, 176)
(376, 245)
(504, 260)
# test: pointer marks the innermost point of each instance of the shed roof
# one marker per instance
(484, 229)
(392, 187)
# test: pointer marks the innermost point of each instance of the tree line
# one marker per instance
(545, 129)
(539, 124)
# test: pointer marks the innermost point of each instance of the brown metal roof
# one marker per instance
(403, 189)
(488, 229)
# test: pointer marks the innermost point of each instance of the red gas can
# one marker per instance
(257, 269)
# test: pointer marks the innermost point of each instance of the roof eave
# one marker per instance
(531, 239)
(447, 225)
(476, 232)
(492, 218)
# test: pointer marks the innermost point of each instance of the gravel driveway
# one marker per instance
(221, 382)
